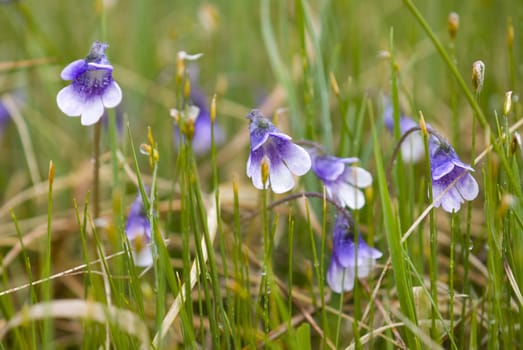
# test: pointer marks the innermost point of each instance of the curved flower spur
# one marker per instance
(92, 87)
(284, 158)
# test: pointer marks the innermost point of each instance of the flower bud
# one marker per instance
(516, 143)
(145, 149)
(334, 84)
(265, 171)
(510, 34)
(453, 25)
(369, 194)
(209, 17)
(187, 88)
(235, 189)
(150, 137)
(507, 202)
(213, 109)
(51, 171)
(423, 125)
(188, 129)
(175, 114)
(478, 75)
(507, 105)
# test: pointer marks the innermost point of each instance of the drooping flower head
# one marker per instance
(201, 138)
(446, 167)
(412, 149)
(138, 230)
(272, 147)
(341, 178)
(92, 87)
(345, 257)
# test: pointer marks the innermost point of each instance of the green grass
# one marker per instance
(231, 270)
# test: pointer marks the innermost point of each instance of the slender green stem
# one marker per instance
(46, 286)
(453, 229)
(448, 61)
(27, 263)
(433, 262)
(228, 315)
(96, 170)
(266, 266)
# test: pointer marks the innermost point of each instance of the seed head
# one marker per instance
(453, 25)
(478, 75)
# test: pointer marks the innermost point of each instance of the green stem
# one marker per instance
(46, 286)
(96, 170)
(433, 262)
(448, 61)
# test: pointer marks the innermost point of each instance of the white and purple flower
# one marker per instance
(92, 88)
(341, 178)
(446, 167)
(283, 157)
(345, 257)
(138, 230)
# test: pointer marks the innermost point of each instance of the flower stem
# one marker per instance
(96, 170)
(448, 61)
(433, 261)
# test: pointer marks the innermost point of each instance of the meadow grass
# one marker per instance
(236, 267)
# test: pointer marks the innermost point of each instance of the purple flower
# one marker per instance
(4, 117)
(345, 258)
(341, 179)
(270, 145)
(201, 140)
(92, 87)
(138, 230)
(19, 98)
(412, 149)
(446, 167)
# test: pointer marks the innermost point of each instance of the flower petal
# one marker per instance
(93, 110)
(451, 200)
(254, 168)
(258, 137)
(297, 158)
(100, 66)
(340, 279)
(441, 169)
(327, 168)
(365, 267)
(70, 102)
(280, 176)
(344, 252)
(112, 95)
(144, 257)
(349, 195)
(73, 69)
(468, 187)
(357, 176)
(413, 149)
